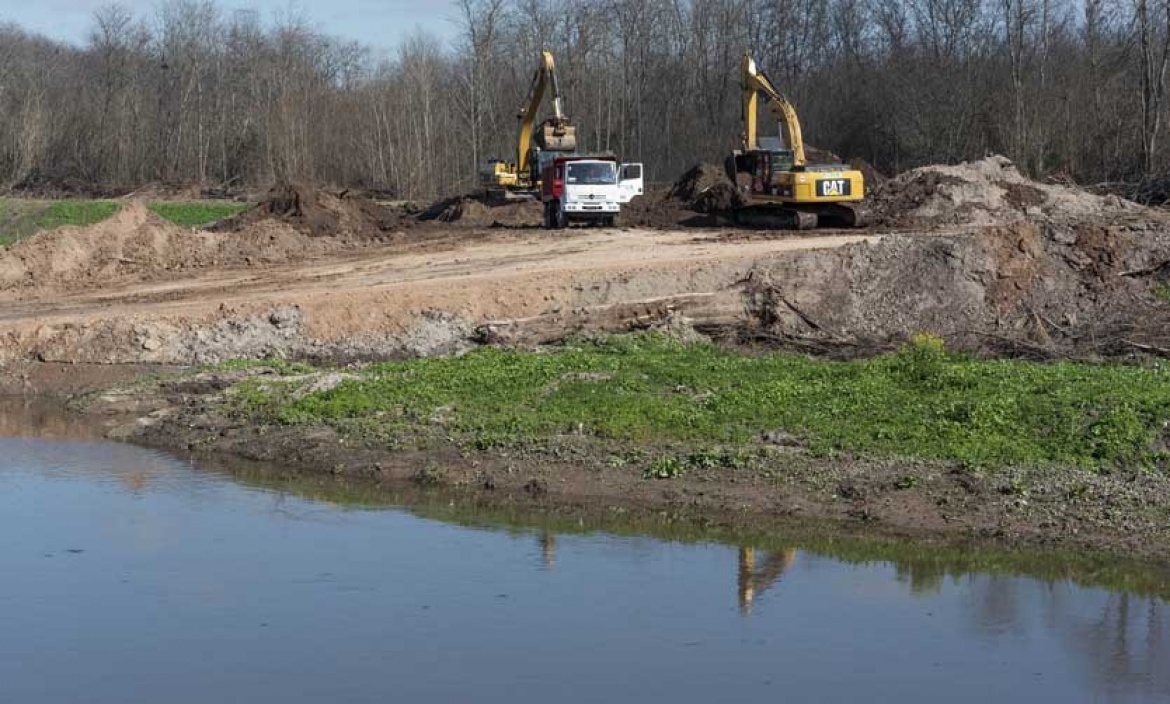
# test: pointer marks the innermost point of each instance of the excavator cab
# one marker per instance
(776, 185)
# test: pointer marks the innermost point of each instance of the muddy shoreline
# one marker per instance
(1121, 514)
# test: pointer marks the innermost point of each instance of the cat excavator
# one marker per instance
(520, 179)
(776, 184)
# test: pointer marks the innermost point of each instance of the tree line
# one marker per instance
(193, 93)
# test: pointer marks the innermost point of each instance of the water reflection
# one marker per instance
(219, 590)
(1121, 642)
(548, 548)
(33, 418)
(754, 579)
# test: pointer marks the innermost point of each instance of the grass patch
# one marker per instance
(21, 218)
(78, 213)
(197, 214)
(1161, 292)
(5, 239)
(18, 219)
(921, 402)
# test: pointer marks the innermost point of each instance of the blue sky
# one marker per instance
(380, 24)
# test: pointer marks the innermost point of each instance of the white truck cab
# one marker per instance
(587, 189)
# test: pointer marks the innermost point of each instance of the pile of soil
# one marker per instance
(697, 199)
(656, 209)
(1040, 288)
(137, 243)
(320, 213)
(874, 179)
(990, 191)
(478, 210)
(705, 188)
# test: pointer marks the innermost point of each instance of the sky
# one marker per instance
(379, 24)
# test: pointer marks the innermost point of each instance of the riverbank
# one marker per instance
(922, 443)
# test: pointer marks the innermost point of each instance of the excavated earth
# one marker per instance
(973, 252)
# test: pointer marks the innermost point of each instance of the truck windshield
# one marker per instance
(591, 173)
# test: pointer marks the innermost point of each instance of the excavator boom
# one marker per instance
(557, 133)
(755, 83)
(520, 179)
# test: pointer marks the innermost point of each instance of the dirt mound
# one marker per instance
(136, 243)
(1040, 288)
(990, 191)
(320, 213)
(697, 199)
(654, 209)
(186, 192)
(705, 188)
(478, 211)
(873, 178)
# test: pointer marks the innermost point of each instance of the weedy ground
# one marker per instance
(922, 402)
(21, 218)
(197, 214)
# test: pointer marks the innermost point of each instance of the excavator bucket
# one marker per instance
(552, 138)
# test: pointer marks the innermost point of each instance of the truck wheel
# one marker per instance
(546, 218)
(560, 220)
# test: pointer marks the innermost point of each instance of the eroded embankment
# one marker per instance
(1037, 288)
(400, 300)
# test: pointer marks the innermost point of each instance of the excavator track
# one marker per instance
(775, 218)
(803, 217)
(845, 215)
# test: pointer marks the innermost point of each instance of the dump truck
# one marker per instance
(589, 189)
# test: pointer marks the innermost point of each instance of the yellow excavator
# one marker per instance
(520, 179)
(755, 579)
(776, 184)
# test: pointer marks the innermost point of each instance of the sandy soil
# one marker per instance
(391, 298)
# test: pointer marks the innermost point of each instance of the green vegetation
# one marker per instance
(922, 402)
(196, 214)
(78, 213)
(1161, 292)
(21, 218)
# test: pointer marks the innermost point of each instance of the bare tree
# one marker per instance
(194, 93)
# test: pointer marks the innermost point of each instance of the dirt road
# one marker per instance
(398, 298)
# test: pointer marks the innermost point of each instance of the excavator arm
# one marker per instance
(755, 83)
(557, 133)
